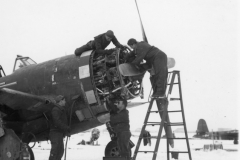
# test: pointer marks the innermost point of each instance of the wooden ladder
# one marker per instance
(162, 105)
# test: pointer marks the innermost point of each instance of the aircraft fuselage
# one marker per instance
(82, 77)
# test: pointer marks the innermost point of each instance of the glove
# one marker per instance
(122, 46)
(113, 136)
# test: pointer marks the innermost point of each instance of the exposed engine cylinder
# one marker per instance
(109, 81)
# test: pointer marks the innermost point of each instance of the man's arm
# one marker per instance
(116, 43)
(130, 56)
(140, 55)
(99, 48)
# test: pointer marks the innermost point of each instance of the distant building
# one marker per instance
(224, 129)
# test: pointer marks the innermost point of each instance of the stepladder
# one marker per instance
(163, 104)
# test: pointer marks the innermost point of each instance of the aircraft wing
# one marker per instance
(21, 100)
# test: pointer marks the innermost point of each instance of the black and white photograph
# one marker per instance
(119, 79)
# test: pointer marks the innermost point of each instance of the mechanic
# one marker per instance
(154, 58)
(119, 121)
(99, 43)
(58, 128)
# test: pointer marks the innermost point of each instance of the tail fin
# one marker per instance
(202, 127)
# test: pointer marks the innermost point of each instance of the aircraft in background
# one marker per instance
(203, 133)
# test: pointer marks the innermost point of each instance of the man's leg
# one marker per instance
(57, 147)
(82, 49)
(123, 143)
(153, 83)
(161, 72)
(61, 148)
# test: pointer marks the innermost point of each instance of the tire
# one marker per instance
(112, 150)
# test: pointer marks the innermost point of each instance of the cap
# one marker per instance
(131, 41)
(59, 98)
(110, 34)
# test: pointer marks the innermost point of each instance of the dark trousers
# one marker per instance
(168, 130)
(57, 147)
(159, 80)
(84, 48)
(123, 143)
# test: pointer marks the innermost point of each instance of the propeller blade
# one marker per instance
(143, 32)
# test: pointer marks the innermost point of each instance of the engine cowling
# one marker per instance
(108, 80)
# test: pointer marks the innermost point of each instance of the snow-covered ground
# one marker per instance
(86, 152)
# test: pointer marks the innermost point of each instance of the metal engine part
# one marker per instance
(109, 81)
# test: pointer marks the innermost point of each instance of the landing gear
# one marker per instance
(11, 146)
(26, 138)
(235, 141)
(112, 149)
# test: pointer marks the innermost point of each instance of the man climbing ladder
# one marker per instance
(162, 106)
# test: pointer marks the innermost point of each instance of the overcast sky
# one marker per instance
(202, 36)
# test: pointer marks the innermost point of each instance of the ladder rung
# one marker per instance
(150, 137)
(178, 151)
(155, 111)
(161, 138)
(158, 97)
(176, 138)
(176, 111)
(147, 151)
(174, 99)
(153, 124)
(172, 83)
(175, 124)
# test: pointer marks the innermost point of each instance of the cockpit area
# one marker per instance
(21, 62)
(2, 73)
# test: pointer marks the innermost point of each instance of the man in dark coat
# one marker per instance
(99, 43)
(119, 121)
(58, 128)
(154, 58)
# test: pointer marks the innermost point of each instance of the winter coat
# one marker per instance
(100, 43)
(120, 121)
(147, 52)
(58, 119)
